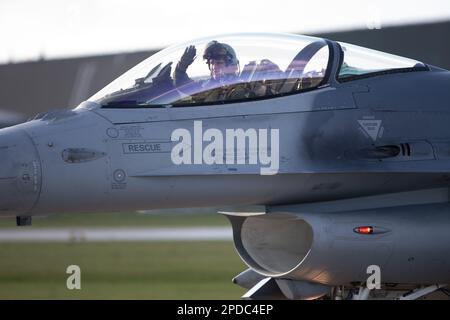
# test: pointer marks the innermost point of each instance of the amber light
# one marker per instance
(364, 230)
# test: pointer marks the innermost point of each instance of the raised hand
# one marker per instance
(188, 57)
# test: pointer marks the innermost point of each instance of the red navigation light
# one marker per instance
(364, 230)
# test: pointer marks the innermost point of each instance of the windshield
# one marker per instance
(219, 70)
(359, 61)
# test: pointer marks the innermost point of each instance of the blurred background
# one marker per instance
(55, 54)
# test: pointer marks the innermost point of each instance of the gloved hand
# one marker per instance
(188, 57)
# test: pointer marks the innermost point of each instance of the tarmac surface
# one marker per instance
(116, 234)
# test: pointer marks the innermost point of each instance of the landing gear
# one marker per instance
(363, 294)
(389, 292)
(23, 221)
(420, 292)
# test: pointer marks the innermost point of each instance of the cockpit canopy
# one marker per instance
(268, 65)
(360, 62)
(265, 66)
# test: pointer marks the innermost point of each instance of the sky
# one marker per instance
(49, 29)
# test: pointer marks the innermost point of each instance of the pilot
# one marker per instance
(223, 65)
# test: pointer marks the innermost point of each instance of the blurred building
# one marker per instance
(38, 86)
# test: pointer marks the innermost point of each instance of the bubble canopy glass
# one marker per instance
(360, 62)
(265, 66)
(268, 66)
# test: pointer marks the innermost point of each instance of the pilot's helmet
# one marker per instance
(215, 51)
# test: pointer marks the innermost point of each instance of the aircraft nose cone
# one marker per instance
(20, 172)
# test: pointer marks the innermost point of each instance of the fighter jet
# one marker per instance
(332, 161)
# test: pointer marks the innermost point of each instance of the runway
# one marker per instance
(115, 234)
